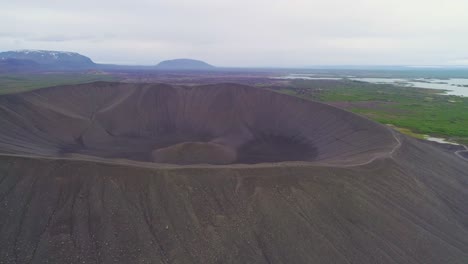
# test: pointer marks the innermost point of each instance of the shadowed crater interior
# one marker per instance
(214, 124)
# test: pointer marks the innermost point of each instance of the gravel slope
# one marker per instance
(384, 198)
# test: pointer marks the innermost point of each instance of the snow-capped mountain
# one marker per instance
(54, 59)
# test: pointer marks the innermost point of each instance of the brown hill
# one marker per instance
(82, 179)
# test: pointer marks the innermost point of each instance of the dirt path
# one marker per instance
(458, 153)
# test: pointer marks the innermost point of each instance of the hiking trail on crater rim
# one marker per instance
(152, 173)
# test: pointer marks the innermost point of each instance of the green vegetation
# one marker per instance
(415, 111)
(16, 83)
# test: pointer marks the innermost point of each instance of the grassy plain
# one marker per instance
(16, 83)
(417, 111)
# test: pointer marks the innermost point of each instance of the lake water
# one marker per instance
(306, 77)
(454, 86)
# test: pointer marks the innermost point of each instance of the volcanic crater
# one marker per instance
(213, 124)
(152, 173)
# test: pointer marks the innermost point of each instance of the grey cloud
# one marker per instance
(242, 32)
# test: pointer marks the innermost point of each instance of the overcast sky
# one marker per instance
(288, 33)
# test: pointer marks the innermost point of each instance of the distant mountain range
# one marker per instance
(40, 60)
(45, 59)
(49, 60)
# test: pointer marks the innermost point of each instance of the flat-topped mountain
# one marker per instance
(49, 59)
(184, 64)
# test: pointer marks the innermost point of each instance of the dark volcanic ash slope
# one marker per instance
(80, 181)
